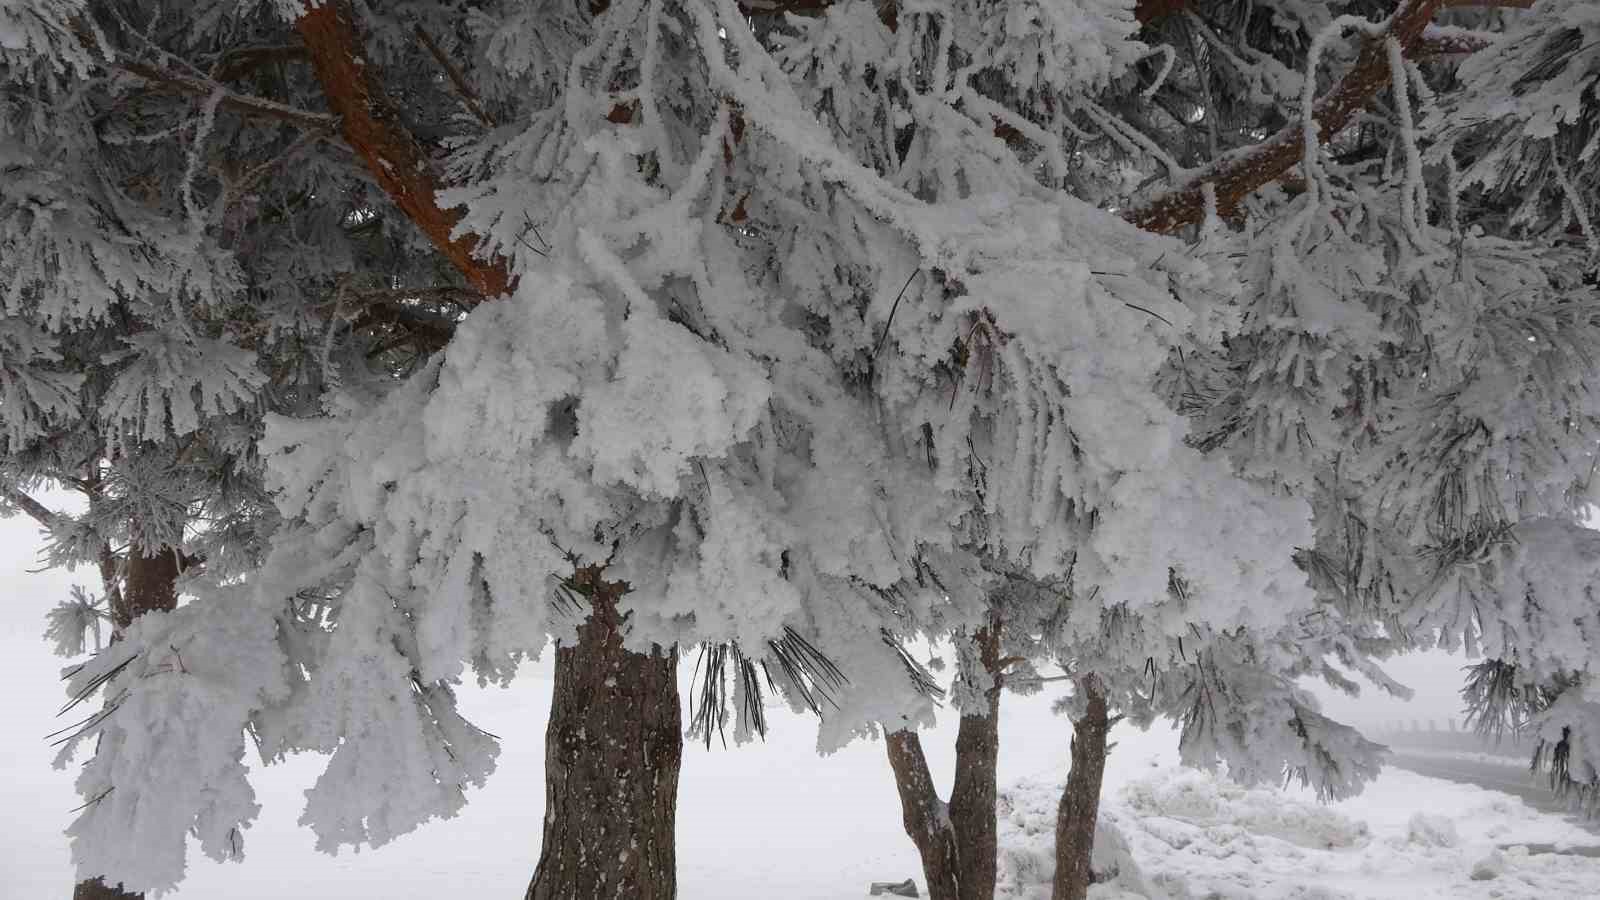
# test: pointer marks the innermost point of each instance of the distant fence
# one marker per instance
(1446, 734)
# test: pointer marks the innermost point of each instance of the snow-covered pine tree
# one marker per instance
(111, 368)
(175, 261)
(796, 330)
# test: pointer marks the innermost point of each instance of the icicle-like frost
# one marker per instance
(1413, 193)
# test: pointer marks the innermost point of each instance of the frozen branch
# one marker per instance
(1237, 175)
(243, 104)
(194, 85)
(35, 510)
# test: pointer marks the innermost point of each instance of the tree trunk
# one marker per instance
(924, 814)
(612, 753)
(1080, 799)
(95, 889)
(150, 583)
(958, 843)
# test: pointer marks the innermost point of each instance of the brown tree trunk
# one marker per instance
(1080, 799)
(612, 753)
(926, 819)
(96, 889)
(957, 843)
(150, 583)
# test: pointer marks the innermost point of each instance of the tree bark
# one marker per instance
(1080, 799)
(150, 583)
(958, 843)
(95, 889)
(612, 754)
(371, 123)
(926, 818)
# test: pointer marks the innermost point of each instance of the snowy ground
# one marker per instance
(1193, 836)
(777, 821)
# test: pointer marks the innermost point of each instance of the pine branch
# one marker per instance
(194, 85)
(1235, 176)
(36, 510)
(243, 104)
(372, 126)
(457, 79)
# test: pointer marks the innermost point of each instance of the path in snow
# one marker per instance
(1532, 789)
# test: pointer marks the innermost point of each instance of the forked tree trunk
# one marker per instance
(957, 843)
(1080, 799)
(612, 753)
(150, 583)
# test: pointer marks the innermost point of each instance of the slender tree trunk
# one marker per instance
(150, 583)
(1080, 800)
(957, 843)
(973, 795)
(612, 753)
(925, 816)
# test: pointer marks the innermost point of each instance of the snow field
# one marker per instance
(776, 820)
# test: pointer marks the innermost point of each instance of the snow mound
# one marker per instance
(1201, 805)
(1490, 867)
(1432, 831)
(1027, 835)
(1180, 834)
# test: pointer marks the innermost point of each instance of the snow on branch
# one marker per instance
(1235, 176)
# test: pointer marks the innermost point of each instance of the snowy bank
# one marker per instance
(1181, 834)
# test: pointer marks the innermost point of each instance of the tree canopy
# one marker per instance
(1201, 345)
